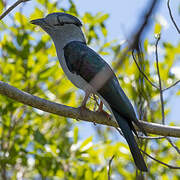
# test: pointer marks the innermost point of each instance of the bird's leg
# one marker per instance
(100, 109)
(83, 104)
(96, 102)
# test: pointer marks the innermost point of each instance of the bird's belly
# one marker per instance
(77, 80)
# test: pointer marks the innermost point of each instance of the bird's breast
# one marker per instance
(76, 79)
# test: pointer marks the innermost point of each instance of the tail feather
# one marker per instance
(127, 132)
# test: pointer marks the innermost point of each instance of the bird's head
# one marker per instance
(61, 27)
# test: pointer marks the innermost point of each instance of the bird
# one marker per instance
(82, 65)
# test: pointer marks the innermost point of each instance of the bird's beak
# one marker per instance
(37, 21)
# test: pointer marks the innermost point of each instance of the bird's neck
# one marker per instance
(65, 35)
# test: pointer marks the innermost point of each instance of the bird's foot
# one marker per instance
(82, 108)
(105, 113)
(100, 109)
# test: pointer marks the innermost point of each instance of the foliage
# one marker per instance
(35, 144)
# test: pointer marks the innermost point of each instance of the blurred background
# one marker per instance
(39, 145)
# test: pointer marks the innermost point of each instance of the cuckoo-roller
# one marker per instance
(82, 65)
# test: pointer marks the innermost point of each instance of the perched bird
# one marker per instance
(82, 65)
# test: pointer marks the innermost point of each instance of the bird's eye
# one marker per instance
(60, 23)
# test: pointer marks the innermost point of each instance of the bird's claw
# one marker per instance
(100, 109)
(82, 108)
(104, 113)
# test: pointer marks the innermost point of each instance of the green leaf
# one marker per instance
(157, 29)
(1, 7)
(84, 145)
(20, 18)
(88, 174)
(104, 31)
(75, 134)
(39, 137)
(103, 53)
(146, 45)
(178, 93)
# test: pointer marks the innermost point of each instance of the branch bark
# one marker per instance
(109, 167)
(165, 164)
(160, 83)
(76, 113)
(171, 16)
(12, 7)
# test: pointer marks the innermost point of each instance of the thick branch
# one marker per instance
(76, 113)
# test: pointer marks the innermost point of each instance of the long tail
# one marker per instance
(127, 132)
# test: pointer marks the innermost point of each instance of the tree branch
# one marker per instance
(109, 167)
(160, 83)
(174, 84)
(151, 138)
(161, 96)
(134, 58)
(169, 166)
(170, 13)
(76, 113)
(173, 145)
(12, 7)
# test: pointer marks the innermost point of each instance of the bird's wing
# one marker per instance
(85, 62)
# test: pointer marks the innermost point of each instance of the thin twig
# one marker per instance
(169, 166)
(12, 7)
(109, 167)
(160, 84)
(171, 85)
(151, 137)
(143, 137)
(134, 58)
(161, 95)
(170, 13)
(173, 145)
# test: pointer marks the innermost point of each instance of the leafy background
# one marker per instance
(39, 145)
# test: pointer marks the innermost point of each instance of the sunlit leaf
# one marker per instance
(86, 143)
(157, 29)
(75, 134)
